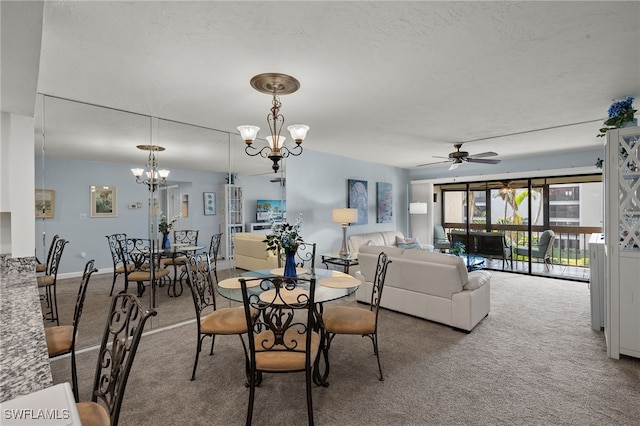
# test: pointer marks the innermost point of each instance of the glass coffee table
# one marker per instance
(473, 262)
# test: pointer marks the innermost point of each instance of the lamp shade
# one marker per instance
(418, 208)
(344, 215)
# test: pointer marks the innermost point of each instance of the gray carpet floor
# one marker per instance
(533, 361)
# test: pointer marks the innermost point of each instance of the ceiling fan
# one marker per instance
(457, 157)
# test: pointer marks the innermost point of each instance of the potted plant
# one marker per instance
(620, 113)
(457, 248)
(285, 238)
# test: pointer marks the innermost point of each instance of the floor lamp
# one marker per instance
(345, 217)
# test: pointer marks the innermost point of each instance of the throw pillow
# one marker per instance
(408, 243)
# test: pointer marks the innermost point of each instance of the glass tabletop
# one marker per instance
(330, 285)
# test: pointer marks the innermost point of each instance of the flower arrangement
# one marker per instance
(619, 112)
(285, 236)
(457, 248)
(164, 226)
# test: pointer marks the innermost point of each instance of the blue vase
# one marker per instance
(290, 264)
(166, 242)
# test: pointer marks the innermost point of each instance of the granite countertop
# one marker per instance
(24, 361)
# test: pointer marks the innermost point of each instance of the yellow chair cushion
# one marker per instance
(280, 360)
(224, 321)
(203, 267)
(59, 339)
(93, 414)
(175, 261)
(348, 320)
(146, 275)
(45, 280)
(120, 269)
(41, 267)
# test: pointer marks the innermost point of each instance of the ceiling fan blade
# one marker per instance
(431, 164)
(482, 160)
(484, 154)
(454, 165)
(438, 156)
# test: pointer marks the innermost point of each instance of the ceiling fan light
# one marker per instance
(298, 132)
(454, 165)
(248, 133)
(164, 173)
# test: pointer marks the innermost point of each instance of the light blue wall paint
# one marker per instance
(317, 183)
(71, 180)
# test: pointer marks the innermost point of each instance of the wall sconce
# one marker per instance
(417, 208)
(345, 217)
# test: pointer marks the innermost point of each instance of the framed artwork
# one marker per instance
(184, 205)
(384, 202)
(45, 203)
(209, 199)
(104, 202)
(359, 199)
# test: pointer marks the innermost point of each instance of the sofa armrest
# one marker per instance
(477, 279)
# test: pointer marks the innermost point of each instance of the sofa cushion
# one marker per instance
(477, 279)
(440, 258)
(385, 238)
(408, 243)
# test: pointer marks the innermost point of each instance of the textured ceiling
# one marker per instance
(388, 82)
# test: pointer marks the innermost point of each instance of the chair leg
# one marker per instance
(74, 375)
(374, 340)
(113, 284)
(309, 399)
(252, 393)
(195, 362)
(54, 306)
(213, 340)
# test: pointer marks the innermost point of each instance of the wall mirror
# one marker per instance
(79, 145)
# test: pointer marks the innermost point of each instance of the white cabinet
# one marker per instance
(232, 217)
(622, 237)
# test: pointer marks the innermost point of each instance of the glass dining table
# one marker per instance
(330, 285)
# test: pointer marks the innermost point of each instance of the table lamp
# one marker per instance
(345, 217)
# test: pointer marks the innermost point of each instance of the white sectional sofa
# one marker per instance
(430, 285)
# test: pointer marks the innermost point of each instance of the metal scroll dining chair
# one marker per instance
(214, 248)
(138, 252)
(42, 267)
(49, 279)
(186, 237)
(281, 337)
(211, 321)
(125, 323)
(119, 265)
(353, 320)
(61, 339)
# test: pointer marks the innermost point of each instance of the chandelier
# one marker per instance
(274, 84)
(152, 176)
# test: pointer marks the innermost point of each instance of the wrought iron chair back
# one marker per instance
(305, 256)
(214, 249)
(89, 269)
(284, 327)
(198, 273)
(125, 324)
(50, 278)
(114, 247)
(186, 236)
